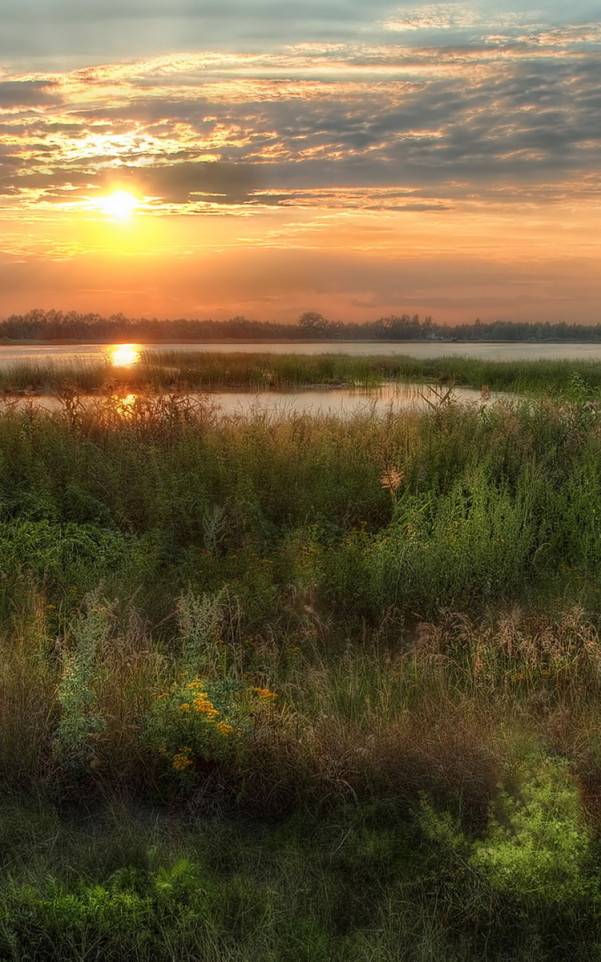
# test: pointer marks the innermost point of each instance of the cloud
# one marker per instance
(27, 93)
(483, 126)
(448, 16)
(89, 32)
(538, 43)
(457, 121)
(179, 182)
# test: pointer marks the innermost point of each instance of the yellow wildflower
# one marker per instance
(185, 706)
(265, 693)
(224, 729)
(181, 762)
(202, 703)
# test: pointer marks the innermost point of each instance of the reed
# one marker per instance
(197, 371)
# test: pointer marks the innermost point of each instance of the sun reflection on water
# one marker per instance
(124, 355)
(123, 405)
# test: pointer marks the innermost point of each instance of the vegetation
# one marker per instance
(300, 688)
(181, 372)
(58, 325)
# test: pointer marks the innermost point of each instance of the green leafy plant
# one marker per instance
(537, 847)
(79, 726)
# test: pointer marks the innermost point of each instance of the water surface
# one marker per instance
(505, 351)
(337, 402)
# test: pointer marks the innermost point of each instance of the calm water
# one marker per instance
(42, 353)
(339, 402)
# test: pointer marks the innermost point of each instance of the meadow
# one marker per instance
(300, 687)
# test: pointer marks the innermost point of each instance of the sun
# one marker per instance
(124, 355)
(119, 205)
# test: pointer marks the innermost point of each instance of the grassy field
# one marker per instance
(301, 688)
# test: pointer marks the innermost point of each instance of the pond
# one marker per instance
(337, 402)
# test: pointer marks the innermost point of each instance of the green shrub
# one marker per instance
(537, 847)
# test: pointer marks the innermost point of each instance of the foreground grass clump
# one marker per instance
(366, 877)
(356, 884)
(300, 688)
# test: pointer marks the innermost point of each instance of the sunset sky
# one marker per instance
(356, 159)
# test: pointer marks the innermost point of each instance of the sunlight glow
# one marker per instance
(119, 205)
(125, 405)
(124, 355)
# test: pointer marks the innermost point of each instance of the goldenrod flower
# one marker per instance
(265, 693)
(180, 762)
(224, 729)
(202, 703)
(185, 706)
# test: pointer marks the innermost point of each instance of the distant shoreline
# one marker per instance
(66, 341)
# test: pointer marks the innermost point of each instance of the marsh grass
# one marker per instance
(406, 609)
(183, 372)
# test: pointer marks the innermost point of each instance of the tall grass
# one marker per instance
(394, 621)
(492, 504)
(314, 556)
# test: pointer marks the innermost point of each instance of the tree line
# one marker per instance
(53, 325)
